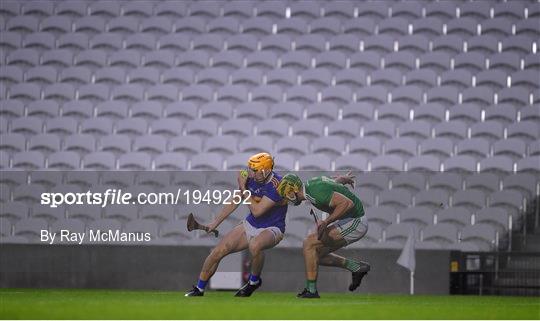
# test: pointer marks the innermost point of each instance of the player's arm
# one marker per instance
(260, 208)
(226, 210)
(339, 205)
(347, 179)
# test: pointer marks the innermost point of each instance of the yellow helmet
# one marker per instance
(261, 161)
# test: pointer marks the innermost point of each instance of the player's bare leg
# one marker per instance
(312, 249)
(358, 269)
(319, 252)
(234, 241)
(265, 240)
(315, 249)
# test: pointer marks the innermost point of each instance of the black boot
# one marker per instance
(248, 289)
(305, 294)
(358, 276)
(194, 292)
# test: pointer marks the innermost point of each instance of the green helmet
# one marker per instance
(289, 183)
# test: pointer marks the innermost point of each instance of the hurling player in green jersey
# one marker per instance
(343, 226)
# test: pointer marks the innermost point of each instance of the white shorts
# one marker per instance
(252, 231)
(352, 229)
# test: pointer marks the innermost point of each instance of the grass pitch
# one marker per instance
(112, 304)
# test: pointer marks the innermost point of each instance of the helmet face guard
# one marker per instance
(293, 200)
(289, 187)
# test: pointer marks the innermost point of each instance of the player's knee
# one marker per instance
(309, 243)
(219, 252)
(254, 249)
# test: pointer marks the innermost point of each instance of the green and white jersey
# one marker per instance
(319, 190)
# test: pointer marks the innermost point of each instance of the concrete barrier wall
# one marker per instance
(177, 268)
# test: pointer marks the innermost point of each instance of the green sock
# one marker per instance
(311, 285)
(352, 266)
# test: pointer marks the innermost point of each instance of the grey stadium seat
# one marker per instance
(496, 217)
(314, 162)
(346, 129)
(256, 144)
(482, 234)
(368, 146)
(170, 161)
(497, 164)
(361, 111)
(443, 233)
(411, 181)
(476, 147)
(463, 163)
(224, 145)
(398, 198)
(99, 161)
(470, 199)
(521, 182)
(396, 112)
(417, 216)
(416, 44)
(486, 182)
(382, 216)
(510, 200)
(512, 147)
(387, 163)
(458, 78)
(433, 198)
(404, 147)
(14, 211)
(351, 162)
(30, 228)
(418, 130)
(433, 113)
(400, 61)
(296, 146)
(441, 147)
(423, 163)
(457, 216)
(326, 111)
(239, 128)
(331, 146)
(469, 113)
(207, 161)
(288, 111)
(309, 128)
(423, 78)
(275, 128)
(117, 144)
(454, 130)
(525, 130)
(383, 129)
(399, 232)
(134, 161)
(28, 160)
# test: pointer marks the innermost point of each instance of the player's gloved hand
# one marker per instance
(347, 179)
(321, 227)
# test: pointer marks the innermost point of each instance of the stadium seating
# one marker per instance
(446, 91)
